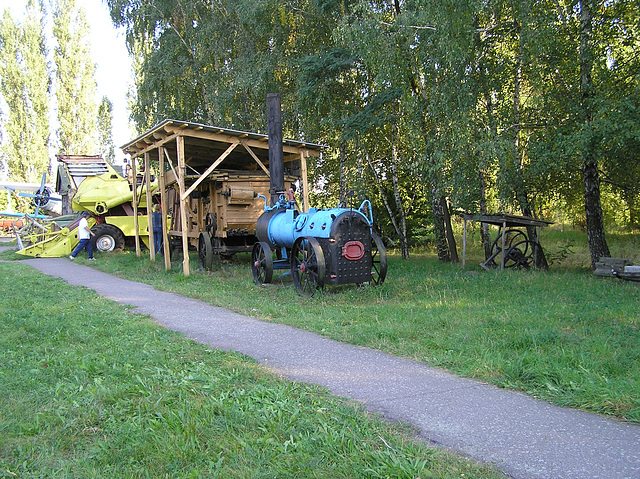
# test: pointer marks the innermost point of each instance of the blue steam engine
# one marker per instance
(322, 247)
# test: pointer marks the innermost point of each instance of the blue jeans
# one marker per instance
(84, 243)
(157, 239)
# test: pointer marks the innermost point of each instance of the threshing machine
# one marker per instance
(323, 246)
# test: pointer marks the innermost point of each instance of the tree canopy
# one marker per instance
(527, 107)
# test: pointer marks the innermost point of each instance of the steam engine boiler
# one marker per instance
(321, 247)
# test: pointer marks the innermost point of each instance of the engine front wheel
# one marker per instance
(107, 238)
(262, 263)
(307, 266)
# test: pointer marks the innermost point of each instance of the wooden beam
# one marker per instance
(183, 206)
(165, 207)
(147, 182)
(255, 158)
(215, 164)
(173, 170)
(305, 182)
(155, 145)
(464, 243)
(504, 232)
(134, 198)
(261, 143)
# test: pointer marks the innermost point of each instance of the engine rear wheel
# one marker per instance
(378, 260)
(262, 263)
(307, 266)
(107, 238)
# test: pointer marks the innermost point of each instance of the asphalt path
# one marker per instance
(524, 437)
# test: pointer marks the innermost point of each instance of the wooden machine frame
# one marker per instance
(190, 154)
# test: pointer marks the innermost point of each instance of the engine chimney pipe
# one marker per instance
(276, 154)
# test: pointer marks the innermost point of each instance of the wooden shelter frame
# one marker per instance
(503, 221)
(193, 152)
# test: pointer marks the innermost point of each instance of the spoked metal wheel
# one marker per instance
(262, 263)
(307, 266)
(511, 238)
(205, 250)
(520, 255)
(378, 260)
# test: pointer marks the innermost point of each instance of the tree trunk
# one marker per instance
(595, 222)
(598, 247)
(485, 236)
(404, 243)
(451, 240)
(518, 156)
(439, 227)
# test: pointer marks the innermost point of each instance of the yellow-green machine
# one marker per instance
(88, 184)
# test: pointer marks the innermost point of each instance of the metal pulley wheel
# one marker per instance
(518, 249)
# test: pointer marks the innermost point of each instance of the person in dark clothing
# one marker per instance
(156, 220)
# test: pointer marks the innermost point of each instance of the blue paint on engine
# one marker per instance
(287, 225)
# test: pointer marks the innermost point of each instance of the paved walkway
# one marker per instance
(525, 438)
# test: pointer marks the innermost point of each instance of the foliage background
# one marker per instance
(493, 105)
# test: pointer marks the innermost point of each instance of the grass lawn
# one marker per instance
(117, 395)
(565, 335)
(90, 390)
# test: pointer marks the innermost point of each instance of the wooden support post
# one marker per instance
(305, 182)
(163, 202)
(464, 243)
(504, 232)
(183, 205)
(134, 187)
(147, 183)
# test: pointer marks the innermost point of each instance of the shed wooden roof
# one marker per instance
(205, 143)
(510, 221)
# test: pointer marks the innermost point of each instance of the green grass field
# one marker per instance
(96, 386)
(564, 335)
(90, 390)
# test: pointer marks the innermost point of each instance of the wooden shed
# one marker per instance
(213, 183)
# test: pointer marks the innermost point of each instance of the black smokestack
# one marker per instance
(276, 155)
